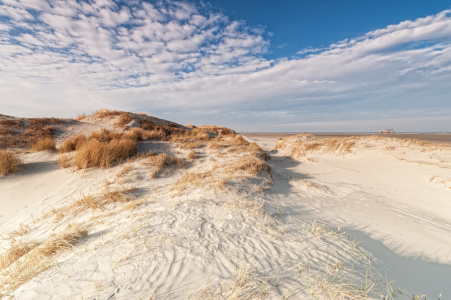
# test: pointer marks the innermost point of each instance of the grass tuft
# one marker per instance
(72, 144)
(28, 260)
(9, 162)
(96, 153)
(124, 119)
(192, 155)
(47, 143)
(164, 161)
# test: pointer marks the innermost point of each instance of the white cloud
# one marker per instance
(171, 57)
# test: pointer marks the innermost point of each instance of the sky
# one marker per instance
(254, 65)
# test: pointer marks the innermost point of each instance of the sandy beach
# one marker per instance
(427, 137)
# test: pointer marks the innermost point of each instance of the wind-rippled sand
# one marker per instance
(368, 222)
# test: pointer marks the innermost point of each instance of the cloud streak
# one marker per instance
(178, 60)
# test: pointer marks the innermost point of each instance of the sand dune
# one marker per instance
(363, 221)
(391, 195)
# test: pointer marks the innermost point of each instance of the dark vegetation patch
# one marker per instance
(23, 133)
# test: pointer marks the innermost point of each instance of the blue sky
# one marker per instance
(302, 24)
(251, 65)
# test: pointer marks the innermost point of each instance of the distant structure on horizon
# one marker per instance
(388, 131)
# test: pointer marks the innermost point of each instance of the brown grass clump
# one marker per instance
(59, 242)
(124, 119)
(44, 144)
(9, 162)
(192, 155)
(72, 144)
(105, 135)
(101, 200)
(104, 154)
(239, 140)
(249, 165)
(201, 134)
(242, 287)
(300, 146)
(81, 117)
(219, 130)
(36, 258)
(22, 133)
(44, 121)
(154, 135)
(14, 123)
(14, 252)
(206, 180)
(164, 161)
(167, 130)
(136, 134)
(188, 145)
(64, 161)
(106, 113)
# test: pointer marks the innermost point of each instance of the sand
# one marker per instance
(264, 232)
(427, 137)
(384, 199)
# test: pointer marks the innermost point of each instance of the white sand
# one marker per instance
(383, 198)
(169, 245)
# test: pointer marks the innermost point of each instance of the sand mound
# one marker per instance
(179, 213)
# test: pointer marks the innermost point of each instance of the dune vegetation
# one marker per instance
(9, 162)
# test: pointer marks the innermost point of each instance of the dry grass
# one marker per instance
(154, 135)
(192, 155)
(9, 162)
(249, 165)
(193, 180)
(164, 161)
(102, 200)
(64, 161)
(12, 123)
(301, 147)
(191, 144)
(240, 288)
(44, 121)
(167, 130)
(253, 148)
(23, 133)
(101, 149)
(124, 119)
(47, 143)
(72, 144)
(81, 117)
(106, 113)
(95, 153)
(105, 135)
(14, 252)
(106, 197)
(136, 134)
(28, 260)
(219, 130)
